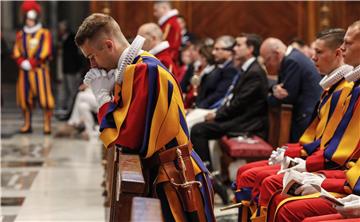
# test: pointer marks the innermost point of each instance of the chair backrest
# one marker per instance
(279, 124)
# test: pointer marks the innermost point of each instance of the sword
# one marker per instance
(182, 166)
(237, 205)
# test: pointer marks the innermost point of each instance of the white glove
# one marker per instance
(25, 65)
(308, 181)
(288, 163)
(101, 84)
(277, 156)
(351, 206)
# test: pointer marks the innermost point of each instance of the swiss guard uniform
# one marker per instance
(147, 116)
(250, 177)
(341, 152)
(172, 32)
(32, 51)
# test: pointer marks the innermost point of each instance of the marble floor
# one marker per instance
(48, 179)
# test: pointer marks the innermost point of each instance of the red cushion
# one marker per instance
(236, 148)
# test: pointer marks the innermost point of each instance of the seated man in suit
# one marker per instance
(154, 45)
(214, 84)
(298, 82)
(244, 109)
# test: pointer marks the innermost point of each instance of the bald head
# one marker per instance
(272, 51)
(272, 44)
(152, 33)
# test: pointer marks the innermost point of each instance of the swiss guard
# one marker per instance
(32, 52)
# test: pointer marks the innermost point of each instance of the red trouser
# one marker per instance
(274, 183)
(329, 217)
(260, 177)
(298, 210)
(248, 177)
(246, 167)
(269, 186)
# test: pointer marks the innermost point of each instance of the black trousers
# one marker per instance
(200, 135)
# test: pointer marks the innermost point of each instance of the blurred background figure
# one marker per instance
(70, 65)
(155, 45)
(300, 45)
(32, 52)
(203, 66)
(189, 55)
(187, 37)
(82, 120)
(170, 26)
(4, 55)
(298, 82)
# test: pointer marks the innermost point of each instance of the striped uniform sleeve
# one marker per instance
(335, 174)
(44, 51)
(132, 128)
(335, 185)
(315, 162)
(353, 176)
(17, 52)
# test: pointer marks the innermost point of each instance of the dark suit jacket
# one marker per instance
(301, 79)
(214, 85)
(72, 60)
(247, 110)
(185, 82)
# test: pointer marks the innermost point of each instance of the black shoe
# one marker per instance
(220, 189)
(47, 132)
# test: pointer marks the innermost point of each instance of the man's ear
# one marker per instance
(339, 52)
(109, 44)
(251, 48)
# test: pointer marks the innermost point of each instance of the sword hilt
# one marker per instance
(182, 166)
(187, 184)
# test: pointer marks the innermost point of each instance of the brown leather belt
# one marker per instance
(165, 155)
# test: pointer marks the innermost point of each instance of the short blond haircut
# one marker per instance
(95, 24)
(356, 25)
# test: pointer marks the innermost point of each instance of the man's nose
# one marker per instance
(314, 58)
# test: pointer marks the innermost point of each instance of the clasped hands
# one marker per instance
(279, 92)
(101, 83)
(277, 155)
(351, 208)
(289, 165)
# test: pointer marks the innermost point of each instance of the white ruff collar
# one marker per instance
(335, 76)
(159, 47)
(168, 15)
(128, 56)
(30, 30)
(354, 75)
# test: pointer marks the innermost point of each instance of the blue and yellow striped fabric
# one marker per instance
(37, 48)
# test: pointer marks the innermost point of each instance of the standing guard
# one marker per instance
(32, 52)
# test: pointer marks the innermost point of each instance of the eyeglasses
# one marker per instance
(224, 49)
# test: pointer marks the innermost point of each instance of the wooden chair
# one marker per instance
(279, 125)
(127, 188)
(279, 134)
